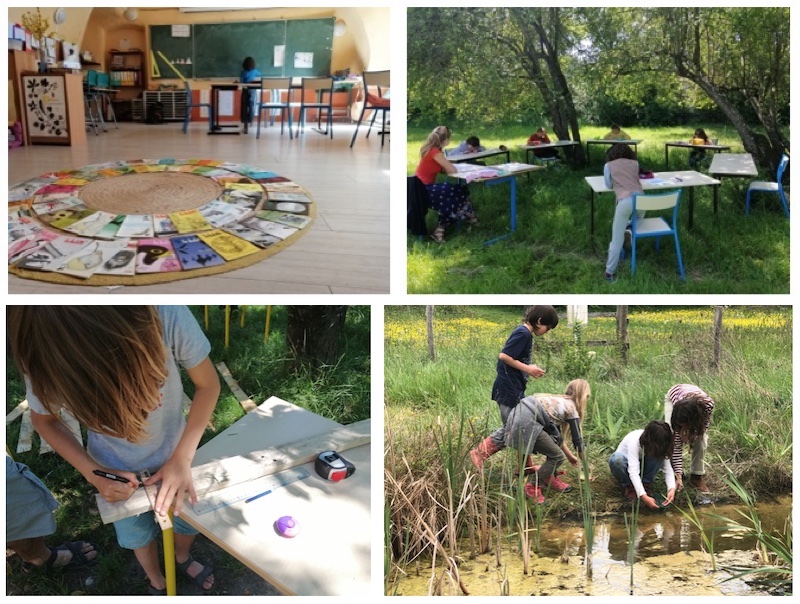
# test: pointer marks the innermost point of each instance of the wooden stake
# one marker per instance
(247, 403)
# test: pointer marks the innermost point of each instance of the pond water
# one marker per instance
(669, 560)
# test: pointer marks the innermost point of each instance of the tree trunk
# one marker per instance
(717, 336)
(313, 335)
(429, 325)
(622, 332)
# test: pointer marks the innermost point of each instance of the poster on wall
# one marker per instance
(303, 60)
(46, 109)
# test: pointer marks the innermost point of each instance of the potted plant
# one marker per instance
(38, 25)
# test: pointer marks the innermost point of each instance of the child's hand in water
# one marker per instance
(111, 490)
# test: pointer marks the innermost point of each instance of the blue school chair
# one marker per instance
(770, 187)
(378, 80)
(191, 105)
(655, 226)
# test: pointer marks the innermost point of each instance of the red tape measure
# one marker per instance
(332, 466)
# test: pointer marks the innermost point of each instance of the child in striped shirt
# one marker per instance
(688, 410)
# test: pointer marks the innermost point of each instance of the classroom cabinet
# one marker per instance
(126, 70)
(173, 103)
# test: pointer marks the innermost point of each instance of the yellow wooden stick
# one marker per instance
(227, 325)
(266, 327)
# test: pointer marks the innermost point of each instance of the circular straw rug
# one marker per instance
(149, 221)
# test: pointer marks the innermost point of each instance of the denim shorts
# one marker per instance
(137, 531)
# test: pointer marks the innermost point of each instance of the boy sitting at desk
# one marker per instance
(471, 145)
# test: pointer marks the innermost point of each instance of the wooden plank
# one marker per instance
(17, 411)
(187, 402)
(247, 403)
(25, 433)
(234, 470)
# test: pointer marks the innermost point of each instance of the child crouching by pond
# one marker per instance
(650, 448)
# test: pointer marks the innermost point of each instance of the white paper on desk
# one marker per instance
(225, 103)
(279, 55)
(468, 167)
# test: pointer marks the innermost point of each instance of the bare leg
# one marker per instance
(148, 558)
(182, 545)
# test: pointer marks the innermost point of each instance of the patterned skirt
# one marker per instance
(451, 201)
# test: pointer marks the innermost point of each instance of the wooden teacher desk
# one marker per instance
(661, 181)
(331, 553)
(216, 124)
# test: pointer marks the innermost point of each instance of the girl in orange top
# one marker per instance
(540, 138)
(451, 201)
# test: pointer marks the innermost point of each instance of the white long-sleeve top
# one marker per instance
(633, 452)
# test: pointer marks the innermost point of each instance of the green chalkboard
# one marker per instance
(313, 38)
(178, 50)
(220, 48)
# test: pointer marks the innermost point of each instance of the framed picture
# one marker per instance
(72, 58)
(46, 109)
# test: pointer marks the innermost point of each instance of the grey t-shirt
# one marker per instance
(187, 346)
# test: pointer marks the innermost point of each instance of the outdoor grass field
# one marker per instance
(552, 250)
(448, 399)
(340, 392)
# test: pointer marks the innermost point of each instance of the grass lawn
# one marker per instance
(341, 393)
(552, 250)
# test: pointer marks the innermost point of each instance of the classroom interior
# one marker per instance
(346, 250)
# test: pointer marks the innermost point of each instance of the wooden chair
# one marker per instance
(318, 86)
(191, 105)
(378, 80)
(274, 87)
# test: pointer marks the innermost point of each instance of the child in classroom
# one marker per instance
(616, 134)
(116, 370)
(688, 410)
(621, 173)
(513, 369)
(451, 201)
(637, 460)
(698, 155)
(249, 98)
(540, 137)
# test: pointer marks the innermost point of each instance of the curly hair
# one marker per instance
(687, 418)
(656, 440)
(620, 151)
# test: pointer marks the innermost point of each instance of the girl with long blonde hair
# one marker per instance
(116, 370)
(451, 201)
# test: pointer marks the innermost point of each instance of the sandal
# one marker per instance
(201, 577)
(152, 591)
(438, 234)
(78, 560)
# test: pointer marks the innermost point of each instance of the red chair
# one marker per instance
(378, 80)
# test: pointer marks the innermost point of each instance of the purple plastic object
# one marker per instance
(287, 526)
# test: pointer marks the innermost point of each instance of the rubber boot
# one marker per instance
(485, 449)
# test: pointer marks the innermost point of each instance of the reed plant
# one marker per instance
(631, 527)
(587, 514)
(706, 533)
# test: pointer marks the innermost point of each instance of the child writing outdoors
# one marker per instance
(616, 134)
(513, 369)
(697, 155)
(621, 173)
(688, 410)
(639, 457)
(249, 98)
(116, 370)
(451, 201)
(540, 138)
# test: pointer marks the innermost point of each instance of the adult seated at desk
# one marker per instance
(540, 138)
(616, 134)
(451, 201)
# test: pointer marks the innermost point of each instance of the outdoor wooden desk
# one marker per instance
(602, 141)
(331, 554)
(467, 157)
(686, 145)
(503, 173)
(737, 165)
(661, 181)
(529, 149)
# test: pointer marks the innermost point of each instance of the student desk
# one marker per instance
(736, 165)
(601, 141)
(529, 149)
(685, 145)
(468, 157)
(660, 181)
(502, 173)
(217, 127)
(331, 554)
